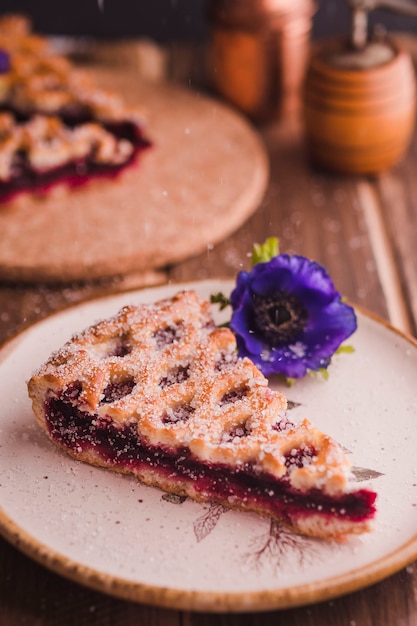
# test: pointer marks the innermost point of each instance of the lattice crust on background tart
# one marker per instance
(56, 125)
(159, 392)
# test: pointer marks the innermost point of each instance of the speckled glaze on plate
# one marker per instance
(111, 533)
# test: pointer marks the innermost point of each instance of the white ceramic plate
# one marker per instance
(111, 533)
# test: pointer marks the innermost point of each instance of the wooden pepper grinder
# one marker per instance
(257, 53)
(360, 97)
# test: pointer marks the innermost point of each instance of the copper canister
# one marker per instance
(257, 53)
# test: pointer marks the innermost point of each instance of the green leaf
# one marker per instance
(290, 381)
(221, 299)
(262, 253)
(345, 349)
(323, 371)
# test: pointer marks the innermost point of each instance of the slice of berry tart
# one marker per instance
(56, 125)
(159, 392)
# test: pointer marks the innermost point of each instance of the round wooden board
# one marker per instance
(205, 174)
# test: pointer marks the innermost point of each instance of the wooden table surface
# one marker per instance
(364, 231)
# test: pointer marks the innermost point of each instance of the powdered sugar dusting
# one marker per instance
(169, 368)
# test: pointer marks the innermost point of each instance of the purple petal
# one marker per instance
(326, 321)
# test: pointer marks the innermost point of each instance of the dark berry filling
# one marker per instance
(168, 335)
(282, 425)
(243, 430)
(5, 63)
(120, 346)
(175, 375)
(180, 413)
(72, 392)
(121, 447)
(76, 172)
(234, 395)
(225, 360)
(117, 390)
(299, 457)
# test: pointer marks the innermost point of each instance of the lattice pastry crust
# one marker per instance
(41, 81)
(170, 386)
(56, 125)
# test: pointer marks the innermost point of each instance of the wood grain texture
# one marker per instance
(25, 303)
(313, 214)
(397, 192)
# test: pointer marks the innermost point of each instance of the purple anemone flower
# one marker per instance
(287, 316)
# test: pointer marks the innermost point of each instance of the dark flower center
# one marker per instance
(280, 318)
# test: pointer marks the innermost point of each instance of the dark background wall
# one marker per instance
(165, 19)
